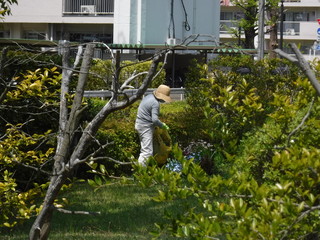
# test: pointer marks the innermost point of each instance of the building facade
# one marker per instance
(119, 21)
(72, 20)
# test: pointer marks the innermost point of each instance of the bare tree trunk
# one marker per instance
(273, 31)
(273, 40)
(67, 156)
(250, 32)
(41, 228)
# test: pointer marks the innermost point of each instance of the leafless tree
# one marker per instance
(68, 156)
(303, 64)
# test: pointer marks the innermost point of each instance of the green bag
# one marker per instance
(162, 145)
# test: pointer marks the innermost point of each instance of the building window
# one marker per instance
(4, 34)
(229, 20)
(35, 35)
(231, 15)
(91, 37)
(300, 16)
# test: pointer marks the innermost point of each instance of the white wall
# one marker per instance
(308, 30)
(36, 11)
(48, 11)
(122, 21)
(302, 3)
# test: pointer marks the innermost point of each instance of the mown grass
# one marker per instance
(127, 212)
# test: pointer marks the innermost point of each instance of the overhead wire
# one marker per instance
(172, 22)
(186, 23)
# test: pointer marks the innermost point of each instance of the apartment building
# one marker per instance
(94, 20)
(300, 25)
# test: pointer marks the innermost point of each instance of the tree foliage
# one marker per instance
(27, 143)
(249, 22)
(5, 6)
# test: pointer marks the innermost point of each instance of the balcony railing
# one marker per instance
(289, 28)
(88, 7)
(226, 25)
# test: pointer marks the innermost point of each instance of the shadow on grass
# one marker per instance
(127, 212)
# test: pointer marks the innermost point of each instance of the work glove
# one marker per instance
(165, 126)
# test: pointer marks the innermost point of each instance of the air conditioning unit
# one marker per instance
(173, 41)
(290, 31)
(88, 9)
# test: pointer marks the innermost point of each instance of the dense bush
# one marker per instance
(19, 61)
(235, 101)
(265, 127)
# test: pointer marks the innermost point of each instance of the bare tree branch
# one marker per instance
(91, 156)
(77, 212)
(303, 64)
(111, 159)
(134, 76)
(286, 56)
(36, 169)
(299, 218)
(301, 124)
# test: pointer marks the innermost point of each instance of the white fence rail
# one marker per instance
(176, 93)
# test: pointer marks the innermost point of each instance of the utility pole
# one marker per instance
(281, 25)
(261, 30)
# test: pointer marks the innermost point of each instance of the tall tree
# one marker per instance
(249, 22)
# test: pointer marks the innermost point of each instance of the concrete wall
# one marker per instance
(36, 11)
(149, 21)
(122, 21)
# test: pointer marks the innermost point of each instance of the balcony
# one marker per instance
(291, 29)
(88, 7)
(226, 26)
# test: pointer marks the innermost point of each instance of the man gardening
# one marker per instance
(148, 119)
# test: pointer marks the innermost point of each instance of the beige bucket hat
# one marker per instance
(163, 93)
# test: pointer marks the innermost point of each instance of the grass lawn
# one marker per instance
(127, 212)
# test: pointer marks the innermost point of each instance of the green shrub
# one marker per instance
(269, 141)
(236, 94)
